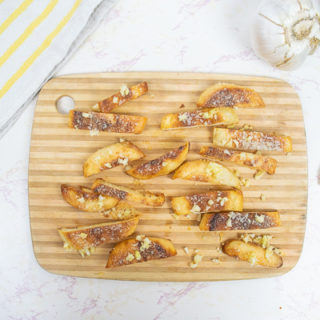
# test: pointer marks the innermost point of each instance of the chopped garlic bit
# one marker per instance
(94, 132)
(164, 163)
(101, 197)
(245, 182)
(269, 253)
(145, 244)
(123, 161)
(259, 218)
(83, 235)
(182, 116)
(227, 152)
(197, 258)
(108, 165)
(215, 260)
(95, 107)
(252, 259)
(81, 200)
(247, 126)
(193, 265)
(130, 257)
(124, 90)
(186, 250)
(137, 255)
(259, 174)
(196, 250)
(210, 202)
(139, 237)
(115, 99)
(246, 237)
(262, 197)
(86, 115)
(195, 209)
(122, 140)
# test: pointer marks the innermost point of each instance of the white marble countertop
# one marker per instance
(159, 35)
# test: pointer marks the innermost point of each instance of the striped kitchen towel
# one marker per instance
(36, 37)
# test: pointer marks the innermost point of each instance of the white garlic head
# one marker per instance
(285, 32)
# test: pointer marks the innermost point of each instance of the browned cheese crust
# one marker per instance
(250, 160)
(230, 95)
(110, 122)
(160, 166)
(239, 221)
(133, 251)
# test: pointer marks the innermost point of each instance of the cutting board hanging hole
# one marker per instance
(64, 104)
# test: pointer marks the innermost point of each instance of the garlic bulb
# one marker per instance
(285, 32)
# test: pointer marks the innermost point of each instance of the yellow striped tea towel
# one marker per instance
(36, 37)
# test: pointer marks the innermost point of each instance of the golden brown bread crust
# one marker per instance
(121, 211)
(110, 122)
(153, 199)
(207, 171)
(252, 252)
(239, 220)
(224, 200)
(110, 157)
(119, 99)
(84, 238)
(160, 166)
(199, 118)
(131, 251)
(229, 95)
(86, 199)
(250, 140)
(250, 160)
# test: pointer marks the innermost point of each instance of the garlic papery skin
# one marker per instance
(285, 32)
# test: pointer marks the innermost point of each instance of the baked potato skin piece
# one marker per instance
(83, 238)
(211, 201)
(110, 122)
(108, 157)
(118, 99)
(159, 249)
(121, 211)
(160, 166)
(250, 140)
(239, 220)
(207, 171)
(85, 199)
(250, 160)
(199, 118)
(248, 251)
(229, 95)
(153, 199)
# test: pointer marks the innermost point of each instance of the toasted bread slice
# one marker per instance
(86, 238)
(250, 160)
(125, 94)
(229, 95)
(250, 140)
(239, 220)
(160, 166)
(224, 200)
(110, 122)
(134, 251)
(111, 156)
(122, 193)
(86, 199)
(207, 171)
(252, 253)
(199, 118)
(121, 211)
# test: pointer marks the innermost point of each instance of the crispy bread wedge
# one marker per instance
(86, 199)
(252, 253)
(224, 200)
(207, 171)
(134, 251)
(122, 193)
(125, 94)
(121, 211)
(85, 238)
(199, 118)
(229, 95)
(250, 140)
(239, 220)
(250, 160)
(160, 166)
(111, 122)
(111, 156)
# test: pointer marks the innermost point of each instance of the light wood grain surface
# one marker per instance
(58, 152)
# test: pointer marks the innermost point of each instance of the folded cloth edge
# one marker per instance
(92, 23)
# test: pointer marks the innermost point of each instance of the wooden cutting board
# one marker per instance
(58, 152)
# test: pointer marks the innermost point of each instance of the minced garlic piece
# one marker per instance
(164, 163)
(123, 161)
(124, 90)
(259, 174)
(210, 202)
(252, 259)
(101, 197)
(215, 260)
(269, 253)
(115, 99)
(246, 237)
(186, 250)
(195, 209)
(122, 140)
(259, 218)
(94, 132)
(182, 116)
(108, 165)
(262, 197)
(81, 200)
(137, 255)
(95, 107)
(197, 258)
(236, 142)
(247, 127)
(139, 237)
(83, 235)
(130, 257)
(193, 265)
(245, 182)
(145, 244)
(86, 115)
(206, 115)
